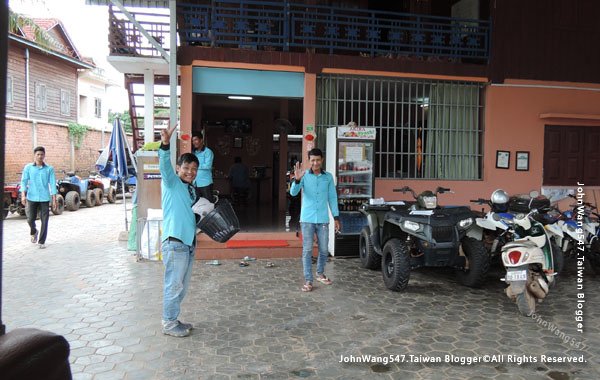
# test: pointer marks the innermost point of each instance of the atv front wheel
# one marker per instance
(99, 196)
(90, 198)
(477, 265)
(395, 265)
(72, 201)
(60, 205)
(368, 257)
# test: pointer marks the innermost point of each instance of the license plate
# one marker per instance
(517, 275)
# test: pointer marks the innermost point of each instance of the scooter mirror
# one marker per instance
(534, 194)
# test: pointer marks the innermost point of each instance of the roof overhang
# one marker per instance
(26, 42)
(138, 65)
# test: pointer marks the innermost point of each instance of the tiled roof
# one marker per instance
(48, 24)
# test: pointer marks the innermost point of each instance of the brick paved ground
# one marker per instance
(254, 323)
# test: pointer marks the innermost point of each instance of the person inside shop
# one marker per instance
(239, 179)
(178, 232)
(204, 179)
(38, 188)
(318, 196)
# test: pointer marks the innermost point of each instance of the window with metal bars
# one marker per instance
(426, 129)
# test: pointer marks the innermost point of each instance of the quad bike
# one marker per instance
(76, 190)
(107, 185)
(400, 237)
(11, 201)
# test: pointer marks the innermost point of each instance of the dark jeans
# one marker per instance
(206, 192)
(32, 210)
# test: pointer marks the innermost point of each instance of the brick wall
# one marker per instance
(22, 136)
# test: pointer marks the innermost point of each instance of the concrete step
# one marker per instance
(208, 249)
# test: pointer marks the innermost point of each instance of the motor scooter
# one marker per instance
(493, 229)
(532, 262)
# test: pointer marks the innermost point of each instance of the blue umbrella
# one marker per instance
(117, 148)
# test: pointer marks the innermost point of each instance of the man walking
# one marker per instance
(178, 232)
(318, 195)
(204, 179)
(38, 187)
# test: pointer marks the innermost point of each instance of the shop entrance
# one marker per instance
(256, 132)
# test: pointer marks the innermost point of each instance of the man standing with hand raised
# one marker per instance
(178, 232)
(318, 195)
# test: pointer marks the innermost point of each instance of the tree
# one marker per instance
(125, 119)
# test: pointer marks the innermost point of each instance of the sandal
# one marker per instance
(307, 287)
(324, 280)
(243, 264)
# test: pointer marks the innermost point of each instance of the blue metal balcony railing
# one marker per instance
(286, 26)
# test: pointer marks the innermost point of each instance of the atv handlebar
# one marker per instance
(404, 190)
(480, 201)
(439, 190)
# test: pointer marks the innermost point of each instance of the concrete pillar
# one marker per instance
(309, 115)
(186, 110)
(283, 152)
(148, 106)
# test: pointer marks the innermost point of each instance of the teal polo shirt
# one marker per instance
(318, 194)
(39, 182)
(177, 198)
(205, 159)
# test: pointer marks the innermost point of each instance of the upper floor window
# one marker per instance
(65, 102)
(41, 101)
(9, 90)
(98, 108)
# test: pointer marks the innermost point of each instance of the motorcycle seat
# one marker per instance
(520, 243)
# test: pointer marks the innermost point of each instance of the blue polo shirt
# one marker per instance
(177, 198)
(318, 191)
(205, 158)
(38, 182)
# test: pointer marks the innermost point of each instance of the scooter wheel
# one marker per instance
(526, 303)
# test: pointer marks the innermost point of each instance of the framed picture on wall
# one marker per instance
(502, 159)
(522, 161)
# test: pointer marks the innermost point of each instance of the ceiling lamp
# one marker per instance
(238, 97)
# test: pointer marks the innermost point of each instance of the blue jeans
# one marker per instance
(308, 233)
(178, 259)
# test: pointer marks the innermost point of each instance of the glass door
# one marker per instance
(355, 174)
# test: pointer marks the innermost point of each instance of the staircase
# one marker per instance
(134, 83)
